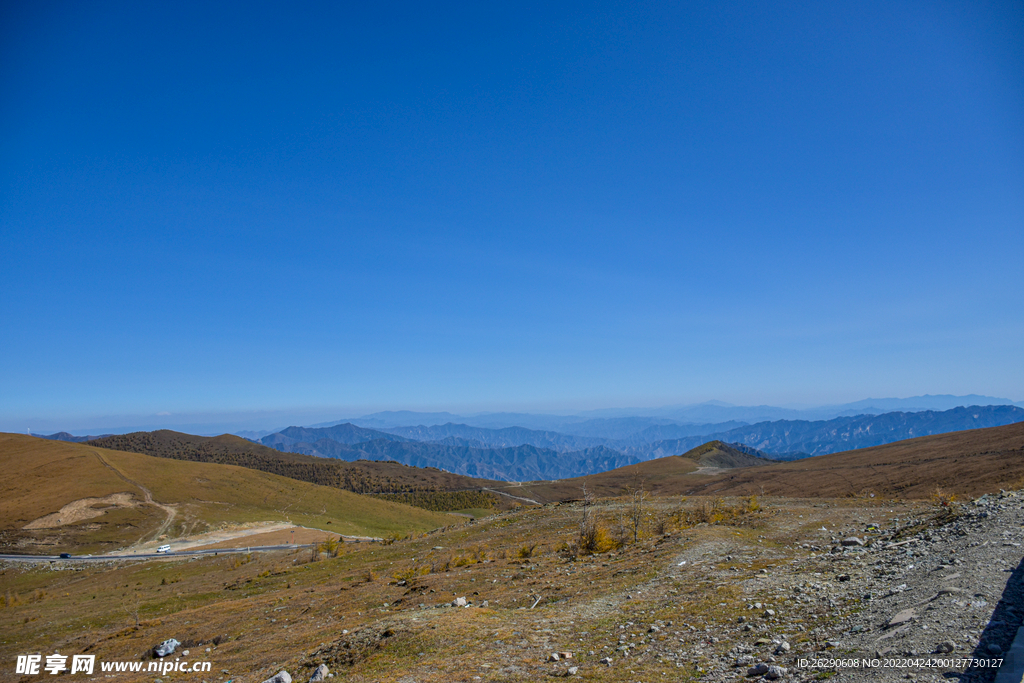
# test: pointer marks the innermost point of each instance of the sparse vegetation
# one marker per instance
(944, 499)
(201, 496)
(443, 501)
(591, 537)
(526, 551)
(377, 609)
(635, 519)
(711, 512)
(330, 546)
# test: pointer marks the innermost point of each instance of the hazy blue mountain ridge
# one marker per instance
(521, 463)
(494, 453)
(343, 433)
(617, 423)
(500, 438)
(788, 439)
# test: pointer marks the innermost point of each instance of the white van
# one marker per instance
(164, 549)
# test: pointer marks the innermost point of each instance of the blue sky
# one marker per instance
(484, 206)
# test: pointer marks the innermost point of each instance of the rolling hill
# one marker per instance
(343, 433)
(663, 476)
(360, 477)
(58, 495)
(967, 463)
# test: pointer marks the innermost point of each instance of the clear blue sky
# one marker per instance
(266, 206)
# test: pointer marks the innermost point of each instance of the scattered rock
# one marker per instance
(320, 674)
(768, 613)
(852, 541)
(280, 677)
(607, 661)
(459, 602)
(573, 670)
(775, 673)
(758, 669)
(165, 648)
(945, 647)
(903, 617)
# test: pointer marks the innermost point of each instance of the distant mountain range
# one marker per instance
(521, 454)
(70, 438)
(623, 423)
(793, 439)
(452, 454)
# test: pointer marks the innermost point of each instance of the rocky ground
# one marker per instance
(780, 593)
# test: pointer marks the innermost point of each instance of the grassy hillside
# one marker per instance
(359, 477)
(66, 491)
(969, 463)
(658, 476)
(722, 455)
(662, 476)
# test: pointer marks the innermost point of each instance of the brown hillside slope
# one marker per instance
(662, 476)
(363, 476)
(722, 455)
(67, 495)
(967, 463)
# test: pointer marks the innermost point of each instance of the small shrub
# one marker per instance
(943, 499)
(330, 546)
(526, 551)
(410, 573)
(600, 541)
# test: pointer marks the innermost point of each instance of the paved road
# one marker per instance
(147, 556)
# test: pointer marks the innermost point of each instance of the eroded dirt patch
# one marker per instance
(82, 509)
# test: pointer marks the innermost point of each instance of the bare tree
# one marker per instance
(131, 604)
(587, 540)
(637, 497)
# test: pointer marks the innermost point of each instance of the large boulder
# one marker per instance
(165, 648)
(280, 677)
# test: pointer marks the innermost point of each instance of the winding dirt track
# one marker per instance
(147, 496)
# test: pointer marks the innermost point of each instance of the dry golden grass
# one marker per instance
(40, 476)
(268, 611)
